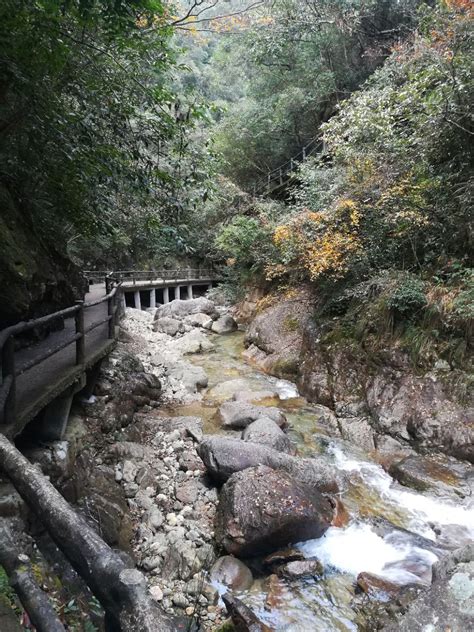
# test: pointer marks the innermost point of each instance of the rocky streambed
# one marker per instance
(239, 498)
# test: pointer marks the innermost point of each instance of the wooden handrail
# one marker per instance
(9, 372)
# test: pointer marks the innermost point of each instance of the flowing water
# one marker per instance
(393, 532)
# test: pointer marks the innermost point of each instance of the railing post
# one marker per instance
(80, 342)
(8, 370)
(111, 313)
(304, 154)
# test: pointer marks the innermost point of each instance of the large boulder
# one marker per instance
(224, 325)
(224, 456)
(266, 432)
(230, 572)
(180, 309)
(168, 326)
(275, 336)
(238, 414)
(261, 509)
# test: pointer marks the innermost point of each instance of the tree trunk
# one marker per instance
(120, 589)
(35, 601)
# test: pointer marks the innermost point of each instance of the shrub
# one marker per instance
(408, 299)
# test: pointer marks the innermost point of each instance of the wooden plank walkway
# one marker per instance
(38, 384)
(79, 336)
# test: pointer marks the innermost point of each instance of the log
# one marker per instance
(120, 588)
(34, 600)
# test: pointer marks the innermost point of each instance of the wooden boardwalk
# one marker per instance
(70, 342)
(42, 371)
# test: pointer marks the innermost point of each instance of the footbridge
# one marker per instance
(45, 362)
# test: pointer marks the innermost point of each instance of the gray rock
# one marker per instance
(129, 471)
(154, 518)
(237, 414)
(448, 604)
(168, 326)
(358, 431)
(199, 320)
(180, 309)
(181, 561)
(187, 492)
(266, 432)
(180, 600)
(261, 509)
(435, 474)
(224, 325)
(194, 342)
(224, 456)
(232, 573)
(192, 377)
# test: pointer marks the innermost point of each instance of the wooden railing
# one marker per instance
(10, 373)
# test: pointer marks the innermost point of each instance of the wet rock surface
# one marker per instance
(230, 572)
(448, 604)
(262, 509)
(439, 475)
(224, 456)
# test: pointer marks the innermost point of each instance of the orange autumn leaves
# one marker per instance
(319, 243)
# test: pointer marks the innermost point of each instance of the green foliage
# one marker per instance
(300, 60)
(93, 142)
(409, 298)
(242, 240)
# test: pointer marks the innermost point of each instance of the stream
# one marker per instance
(393, 531)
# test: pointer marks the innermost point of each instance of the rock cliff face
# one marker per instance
(35, 279)
(372, 395)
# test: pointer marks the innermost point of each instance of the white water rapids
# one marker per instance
(358, 547)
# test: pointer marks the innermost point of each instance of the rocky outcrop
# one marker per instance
(275, 336)
(373, 395)
(224, 457)
(238, 414)
(261, 509)
(36, 278)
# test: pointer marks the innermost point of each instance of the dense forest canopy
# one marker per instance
(134, 133)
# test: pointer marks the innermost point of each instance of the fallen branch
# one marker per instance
(34, 600)
(121, 590)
